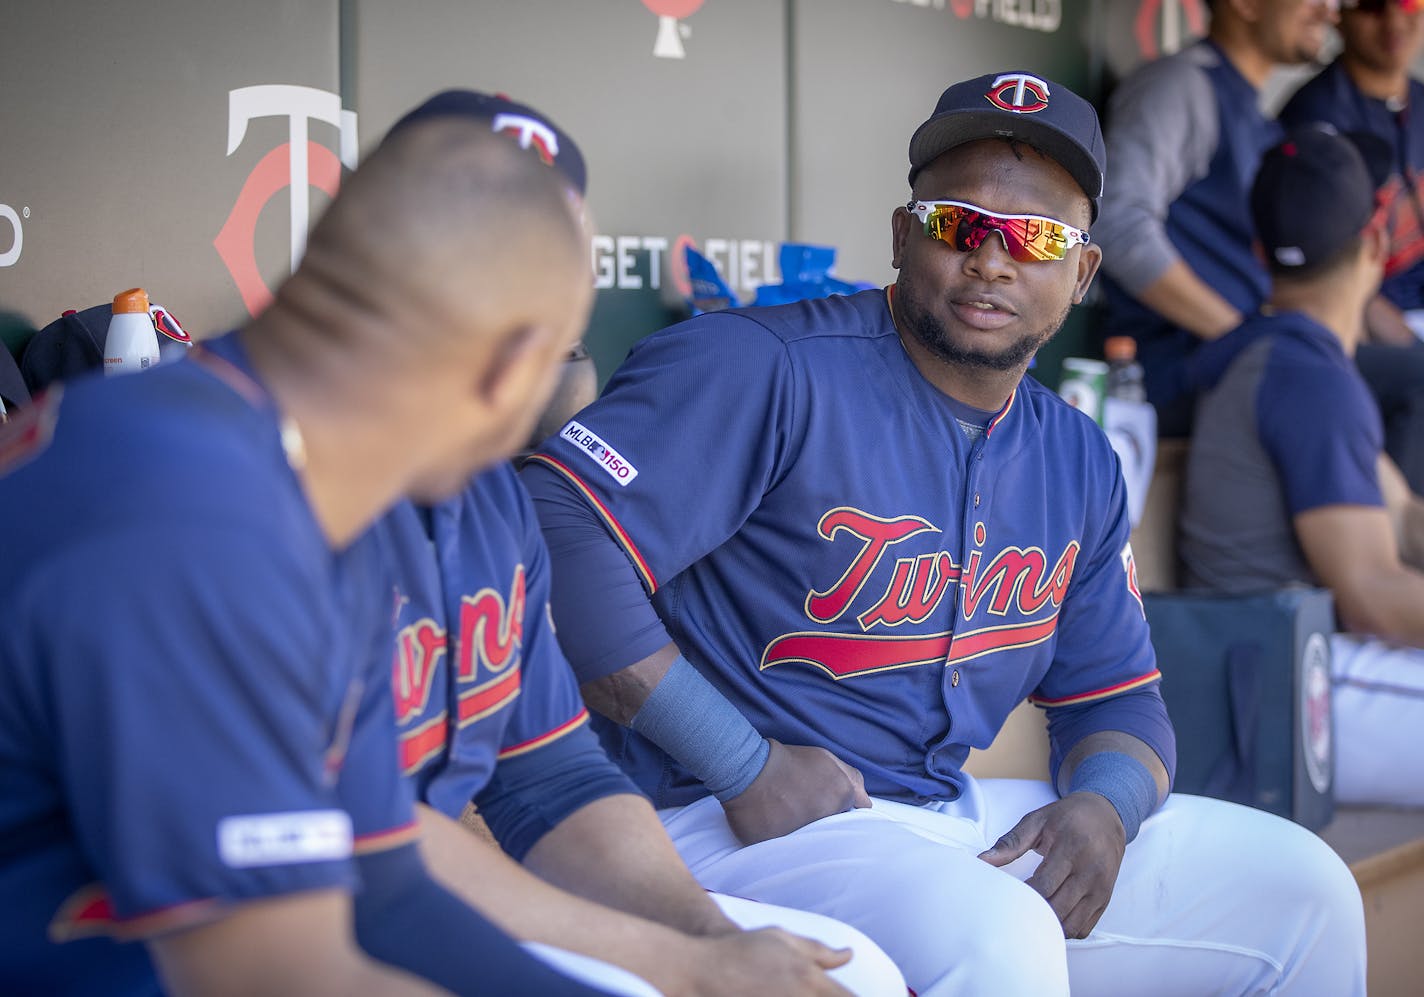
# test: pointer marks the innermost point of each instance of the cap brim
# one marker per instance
(948, 131)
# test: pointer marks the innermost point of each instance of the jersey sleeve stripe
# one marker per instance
(88, 913)
(625, 541)
(534, 743)
(384, 841)
(1088, 697)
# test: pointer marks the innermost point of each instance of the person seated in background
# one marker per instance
(805, 557)
(488, 710)
(197, 746)
(1368, 89)
(1184, 136)
(1286, 480)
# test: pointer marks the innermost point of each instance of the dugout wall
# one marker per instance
(188, 145)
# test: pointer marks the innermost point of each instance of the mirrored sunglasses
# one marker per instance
(1028, 238)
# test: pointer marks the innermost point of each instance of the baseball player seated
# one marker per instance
(489, 710)
(196, 739)
(806, 557)
(1288, 482)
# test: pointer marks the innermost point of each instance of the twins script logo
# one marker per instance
(297, 165)
(1017, 585)
(671, 30)
(486, 654)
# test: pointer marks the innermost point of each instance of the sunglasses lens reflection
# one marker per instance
(1028, 240)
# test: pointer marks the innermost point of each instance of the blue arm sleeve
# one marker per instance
(1140, 713)
(405, 919)
(600, 607)
(531, 794)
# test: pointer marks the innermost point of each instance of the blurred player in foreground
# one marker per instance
(193, 753)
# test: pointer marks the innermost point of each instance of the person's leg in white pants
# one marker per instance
(1211, 898)
(1378, 705)
(870, 973)
(952, 923)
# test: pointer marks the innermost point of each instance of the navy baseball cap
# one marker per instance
(532, 129)
(1313, 194)
(1017, 105)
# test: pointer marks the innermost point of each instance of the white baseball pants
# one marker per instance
(1212, 898)
(1378, 706)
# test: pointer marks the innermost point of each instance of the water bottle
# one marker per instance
(1124, 372)
(1131, 424)
(131, 343)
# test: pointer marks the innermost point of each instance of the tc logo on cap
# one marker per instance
(530, 134)
(1018, 92)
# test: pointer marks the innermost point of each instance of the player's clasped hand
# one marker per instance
(798, 785)
(1082, 841)
(770, 962)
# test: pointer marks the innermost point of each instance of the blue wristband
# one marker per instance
(1123, 781)
(689, 719)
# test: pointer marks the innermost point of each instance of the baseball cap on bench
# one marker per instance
(1017, 105)
(522, 123)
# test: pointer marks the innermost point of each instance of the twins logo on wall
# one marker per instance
(1161, 27)
(297, 165)
(11, 256)
(671, 30)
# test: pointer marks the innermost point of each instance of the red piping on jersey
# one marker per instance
(88, 911)
(481, 701)
(384, 841)
(534, 743)
(625, 541)
(30, 429)
(977, 643)
(994, 422)
(1088, 697)
(230, 374)
(425, 742)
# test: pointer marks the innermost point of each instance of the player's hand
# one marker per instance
(767, 962)
(798, 785)
(1082, 841)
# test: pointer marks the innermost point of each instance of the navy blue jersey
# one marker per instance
(823, 541)
(1208, 223)
(182, 690)
(1285, 424)
(477, 673)
(1333, 98)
